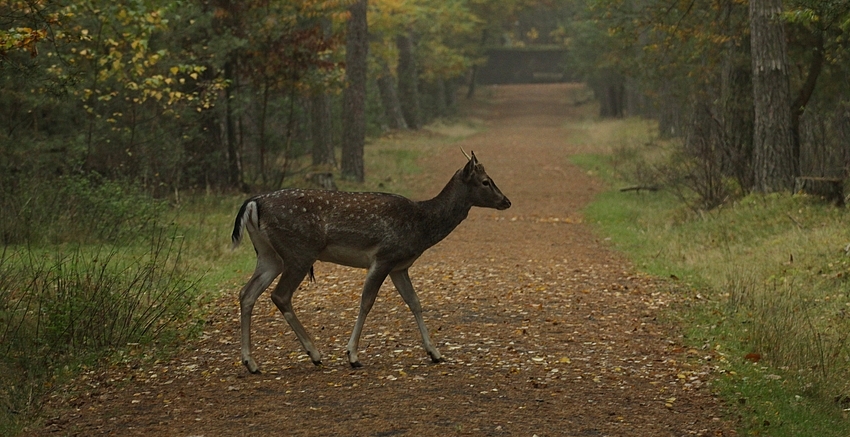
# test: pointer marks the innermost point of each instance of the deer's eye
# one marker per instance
(486, 182)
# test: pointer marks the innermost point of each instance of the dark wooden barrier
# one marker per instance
(536, 64)
(830, 189)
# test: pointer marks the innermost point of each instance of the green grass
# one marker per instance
(66, 307)
(767, 276)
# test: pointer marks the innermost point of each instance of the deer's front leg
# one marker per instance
(402, 283)
(374, 279)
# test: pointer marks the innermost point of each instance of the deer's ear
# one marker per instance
(469, 168)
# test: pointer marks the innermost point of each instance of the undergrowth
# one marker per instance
(765, 283)
(87, 267)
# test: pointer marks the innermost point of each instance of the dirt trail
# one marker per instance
(547, 332)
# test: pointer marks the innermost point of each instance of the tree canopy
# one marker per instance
(229, 94)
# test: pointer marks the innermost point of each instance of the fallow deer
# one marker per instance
(383, 233)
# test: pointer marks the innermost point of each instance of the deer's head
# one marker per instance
(483, 190)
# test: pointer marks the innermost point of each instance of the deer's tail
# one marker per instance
(247, 214)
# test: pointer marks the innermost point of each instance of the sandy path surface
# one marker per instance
(546, 331)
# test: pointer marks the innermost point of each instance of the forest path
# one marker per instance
(546, 330)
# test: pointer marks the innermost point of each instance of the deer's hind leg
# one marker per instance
(269, 267)
(293, 274)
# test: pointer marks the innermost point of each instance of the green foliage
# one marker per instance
(687, 64)
(81, 209)
(87, 266)
(184, 95)
(443, 31)
(443, 46)
(133, 89)
(67, 306)
(85, 300)
(763, 286)
(105, 91)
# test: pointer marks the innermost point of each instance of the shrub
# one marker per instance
(81, 208)
(79, 305)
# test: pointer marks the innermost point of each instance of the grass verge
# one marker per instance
(764, 284)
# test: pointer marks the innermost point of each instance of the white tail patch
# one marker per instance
(248, 216)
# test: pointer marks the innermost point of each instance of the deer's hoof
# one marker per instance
(355, 365)
(436, 358)
(317, 363)
(252, 366)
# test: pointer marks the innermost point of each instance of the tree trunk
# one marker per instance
(389, 98)
(473, 77)
(261, 127)
(232, 156)
(354, 95)
(609, 88)
(736, 114)
(615, 97)
(321, 132)
(451, 95)
(408, 88)
(321, 115)
(773, 148)
(473, 72)
(438, 89)
(206, 154)
(799, 105)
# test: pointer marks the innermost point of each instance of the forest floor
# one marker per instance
(546, 330)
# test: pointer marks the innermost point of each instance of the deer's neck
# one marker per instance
(445, 211)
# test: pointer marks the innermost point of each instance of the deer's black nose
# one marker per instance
(505, 204)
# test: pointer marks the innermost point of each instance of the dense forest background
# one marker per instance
(175, 95)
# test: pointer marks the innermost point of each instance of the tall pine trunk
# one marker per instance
(234, 176)
(389, 98)
(807, 90)
(354, 95)
(408, 87)
(320, 129)
(321, 114)
(735, 108)
(773, 146)
(438, 90)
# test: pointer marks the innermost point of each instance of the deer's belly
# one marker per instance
(349, 256)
